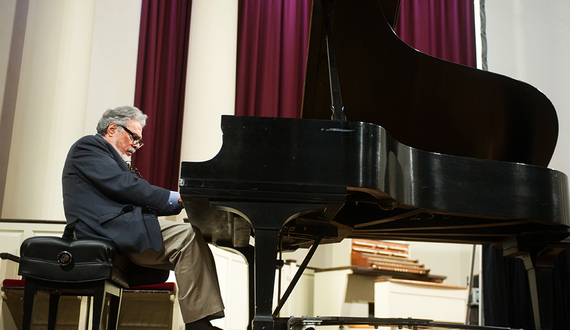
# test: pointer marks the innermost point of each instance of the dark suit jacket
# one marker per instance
(103, 199)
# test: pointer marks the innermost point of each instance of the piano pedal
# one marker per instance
(309, 324)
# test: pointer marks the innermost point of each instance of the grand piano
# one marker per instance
(413, 148)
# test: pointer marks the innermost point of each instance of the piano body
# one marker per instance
(432, 151)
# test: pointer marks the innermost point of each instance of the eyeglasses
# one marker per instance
(136, 139)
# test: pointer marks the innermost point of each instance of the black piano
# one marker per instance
(393, 144)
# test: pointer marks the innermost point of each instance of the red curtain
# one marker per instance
(160, 83)
(273, 37)
(272, 50)
(272, 47)
(441, 28)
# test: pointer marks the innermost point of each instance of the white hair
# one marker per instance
(120, 116)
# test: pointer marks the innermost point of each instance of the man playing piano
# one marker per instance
(104, 199)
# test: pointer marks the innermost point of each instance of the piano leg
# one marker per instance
(539, 264)
(265, 265)
(248, 253)
(267, 219)
(539, 267)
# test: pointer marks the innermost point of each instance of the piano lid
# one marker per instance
(422, 101)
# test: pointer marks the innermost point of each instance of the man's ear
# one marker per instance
(112, 129)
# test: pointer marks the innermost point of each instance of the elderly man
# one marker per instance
(104, 199)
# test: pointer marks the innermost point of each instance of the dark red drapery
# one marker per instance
(273, 37)
(160, 83)
(272, 47)
(272, 50)
(441, 28)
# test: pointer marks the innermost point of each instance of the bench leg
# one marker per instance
(30, 291)
(53, 307)
(100, 294)
(114, 311)
(99, 301)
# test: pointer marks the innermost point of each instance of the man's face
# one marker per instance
(123, 141)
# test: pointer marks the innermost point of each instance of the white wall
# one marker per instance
(402, 299)
(13, 17)
(74, 54)
(530, 40)
(7, 18)
(451, 260)
(113, 62)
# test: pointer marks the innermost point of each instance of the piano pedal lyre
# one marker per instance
(309, 324)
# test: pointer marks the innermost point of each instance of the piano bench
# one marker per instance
(64, 267)
(148, 306)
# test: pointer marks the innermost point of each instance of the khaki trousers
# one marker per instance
(185, 251)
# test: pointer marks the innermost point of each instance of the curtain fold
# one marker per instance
(272, 50)
(441, 28)
(506, 292)
(159, 91)
(273, 38)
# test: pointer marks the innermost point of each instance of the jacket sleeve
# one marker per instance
(95, 163)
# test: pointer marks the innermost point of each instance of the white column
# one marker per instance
(13, 18)
(79, 58)
(112, 77)
(50, 106)
(211, 76)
